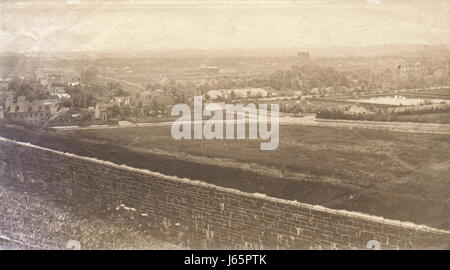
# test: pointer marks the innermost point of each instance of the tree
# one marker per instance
(115, 111)
(233, 95)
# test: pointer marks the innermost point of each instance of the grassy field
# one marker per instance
(352, 156)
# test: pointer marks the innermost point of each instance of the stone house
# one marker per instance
(101, 111)
(21, 109)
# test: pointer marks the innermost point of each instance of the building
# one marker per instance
(210, 69)
(88, 75)
(408, 71)
(47, 78)
(122, 100)
(101, 111)
(303, 58)
(56, 89)
(4, 84)
(21, 109)
(234, 94)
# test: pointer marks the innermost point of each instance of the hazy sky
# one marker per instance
(97, 25)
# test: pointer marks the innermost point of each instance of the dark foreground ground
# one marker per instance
(34, 221)
(419, 196)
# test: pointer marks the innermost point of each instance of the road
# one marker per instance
(392, 126)
(310, 120)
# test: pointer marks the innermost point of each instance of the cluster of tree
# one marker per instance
(312, 106)
(117, 111)
(83, 96)
(418, 110)
(30, 90)
(343, 115)
(378, 114)
(233, 97)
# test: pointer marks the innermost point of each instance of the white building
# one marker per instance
(239, 93)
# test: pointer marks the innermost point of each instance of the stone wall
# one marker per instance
(215, 216)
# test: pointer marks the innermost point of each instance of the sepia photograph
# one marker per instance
(241, 125)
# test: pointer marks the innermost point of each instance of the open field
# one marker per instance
(345, 154)
(391, 174)
(353, 158)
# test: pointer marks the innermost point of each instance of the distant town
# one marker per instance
(109, 91)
